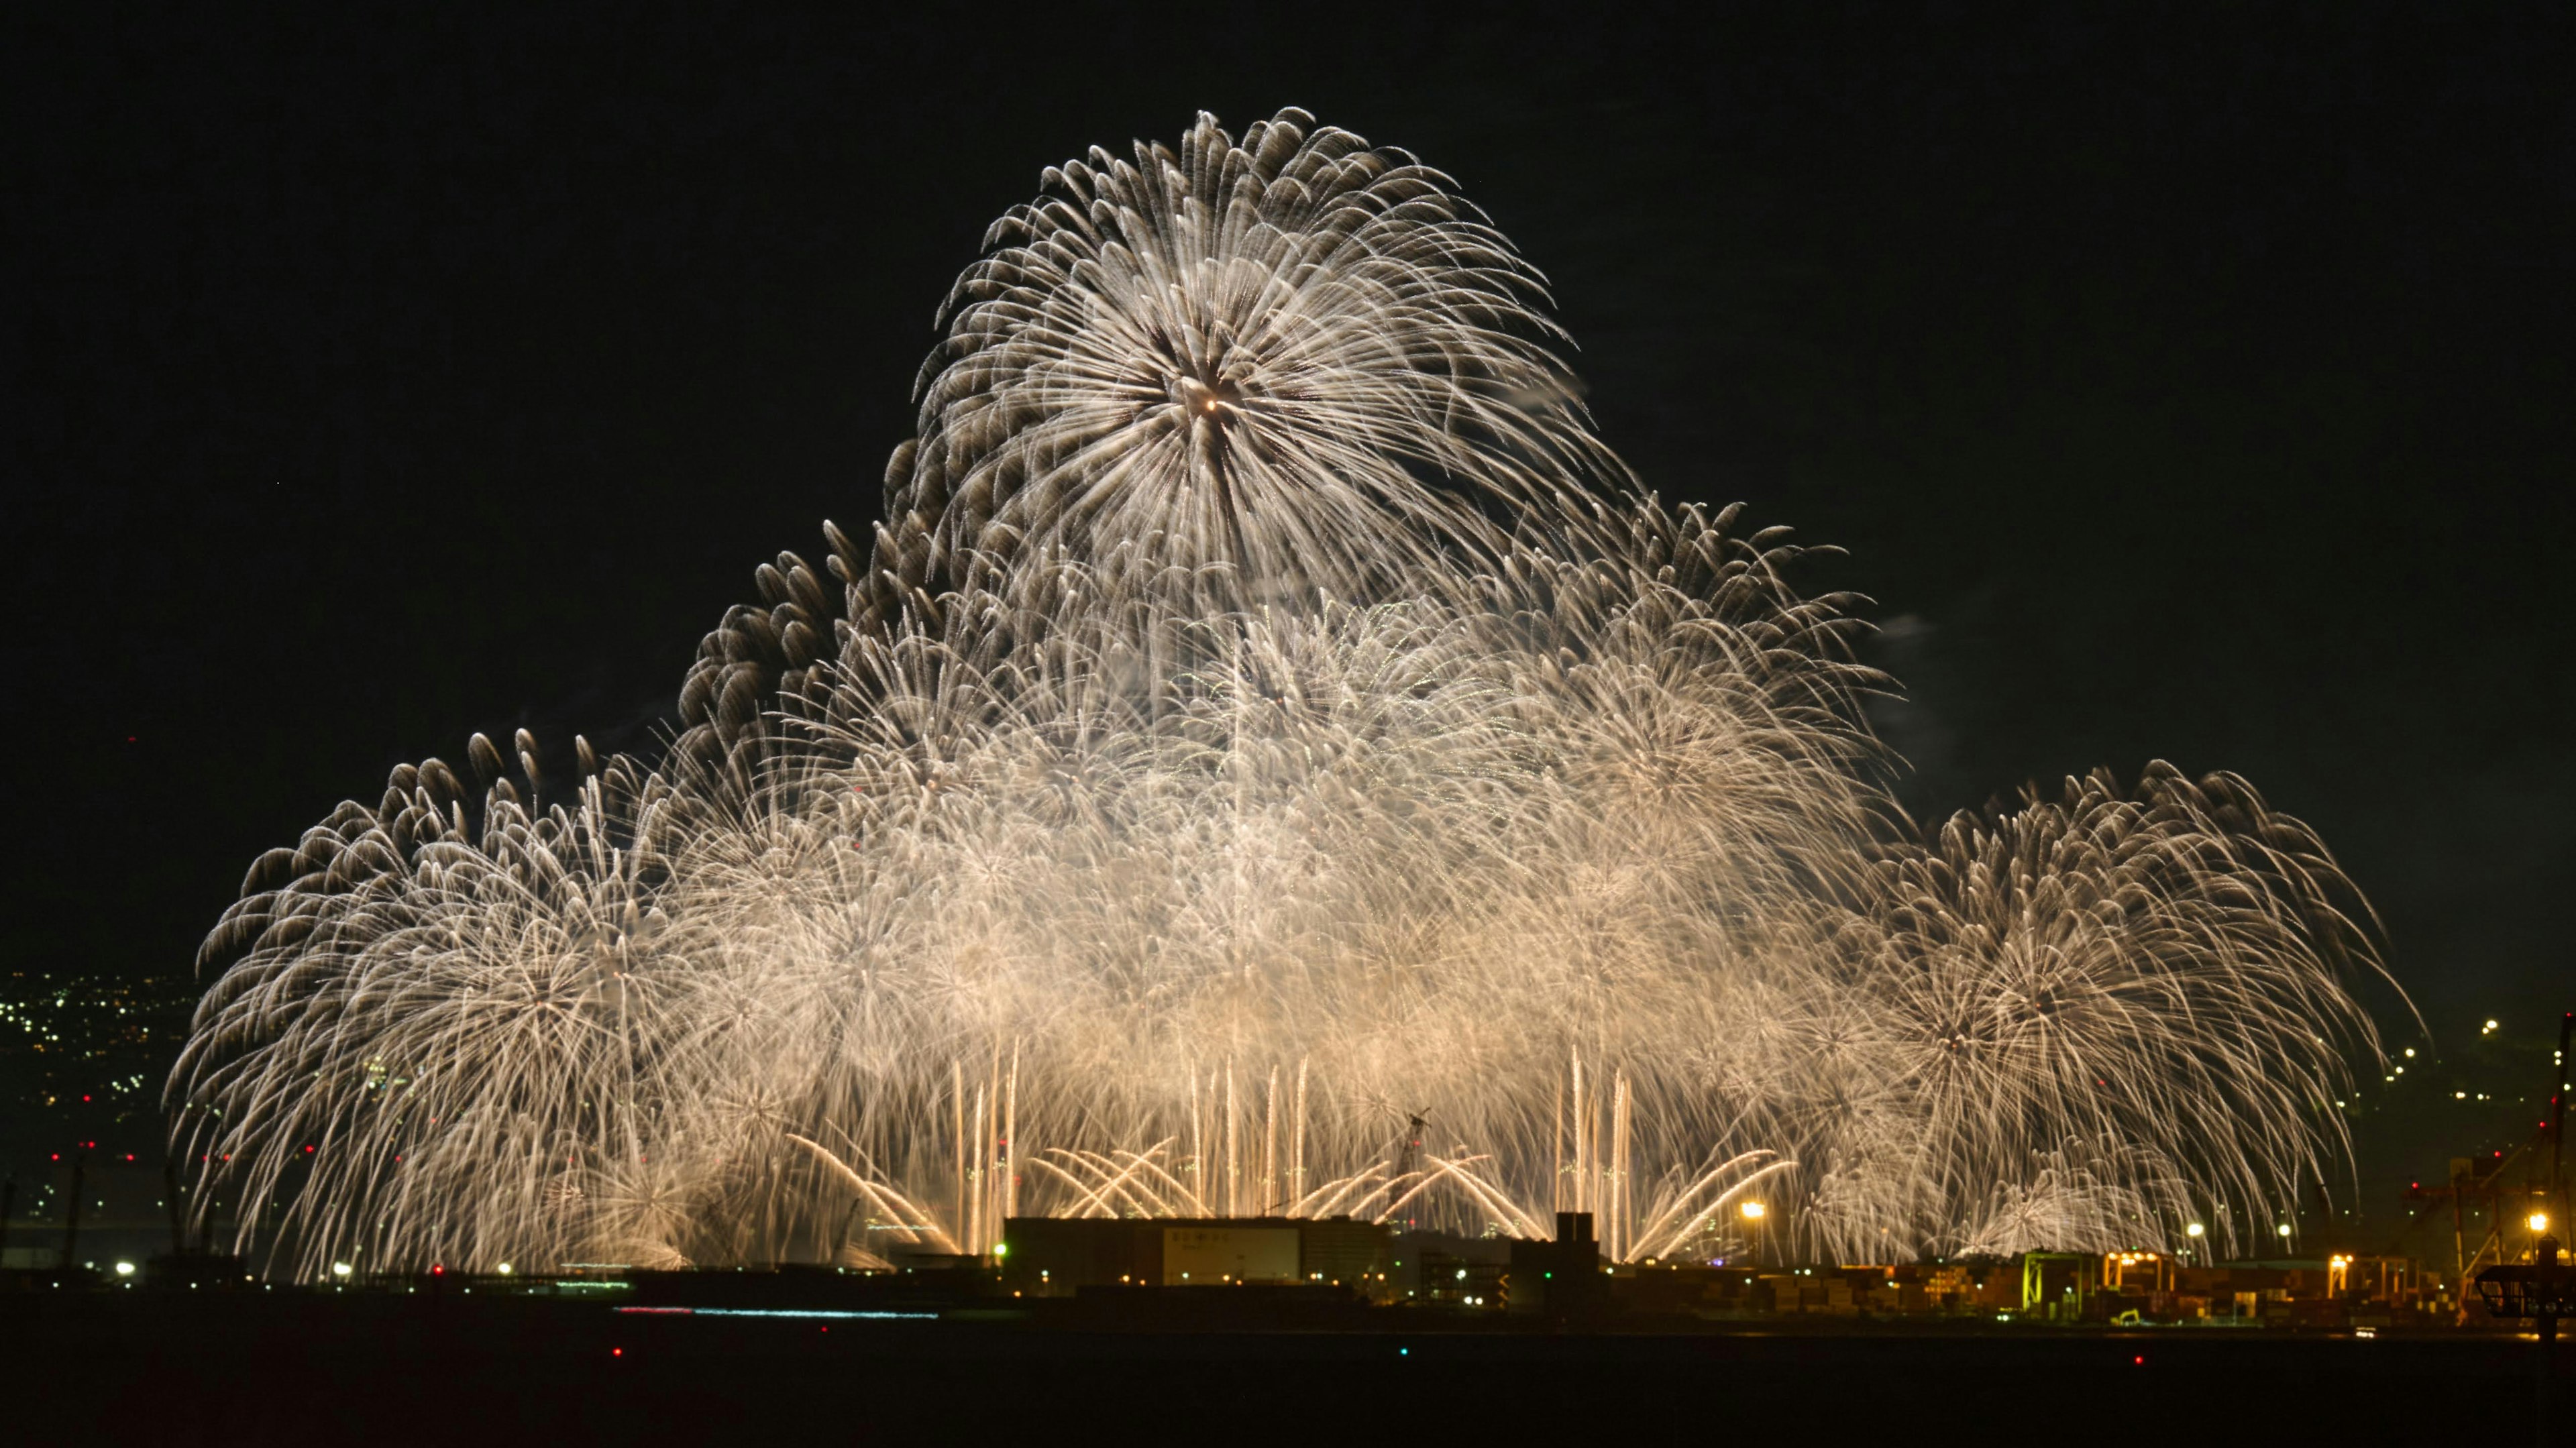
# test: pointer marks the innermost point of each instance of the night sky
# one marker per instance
(2191, 385)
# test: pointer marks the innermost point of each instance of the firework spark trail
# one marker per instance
(1265, 718)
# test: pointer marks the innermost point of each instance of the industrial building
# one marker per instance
(1057, 1256)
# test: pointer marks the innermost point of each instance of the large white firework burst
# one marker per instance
(1265, 722)
(1288, 363)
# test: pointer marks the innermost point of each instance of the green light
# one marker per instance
(1001, 1249)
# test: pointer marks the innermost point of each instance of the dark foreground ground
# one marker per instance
(365, 1369)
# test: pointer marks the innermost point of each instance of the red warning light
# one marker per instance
(437, 1269)
(2139, 1360)
(617, 1352)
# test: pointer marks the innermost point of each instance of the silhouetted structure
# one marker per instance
(1562, 1278)
(1057, 1256)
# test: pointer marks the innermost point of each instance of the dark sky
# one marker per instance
(2193, 383)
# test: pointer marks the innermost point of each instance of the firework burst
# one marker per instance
(1266, 720)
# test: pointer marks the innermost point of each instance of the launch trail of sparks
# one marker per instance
(1270, 758)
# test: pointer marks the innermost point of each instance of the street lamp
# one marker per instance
(2538, 1223)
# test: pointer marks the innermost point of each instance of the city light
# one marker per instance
(340, 1269)
(2195, 1230)
(2539, 1222)
(1752, 1211)
(126, 1269)
(2285, 1229)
